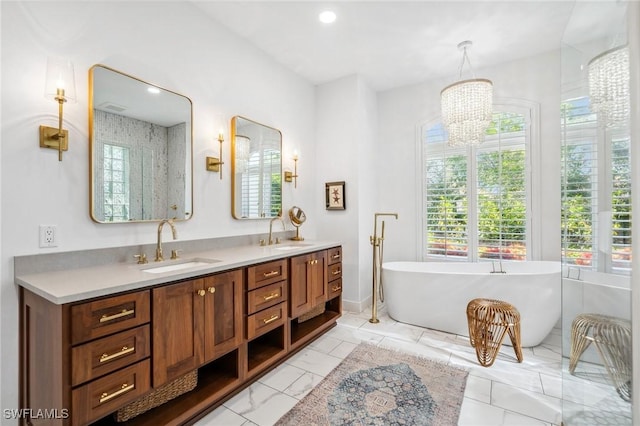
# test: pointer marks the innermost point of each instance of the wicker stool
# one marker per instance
(612, 337)
(489, 320)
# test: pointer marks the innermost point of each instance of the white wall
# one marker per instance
(169, 44)
(401, 111)
(346, 123)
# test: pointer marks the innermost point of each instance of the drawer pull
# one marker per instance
(270, 274)
(212, 289)
(124, 313)
(336, 256)
(336, 288)
(124, 351)
(201, 292)
(124, 389)
(336, 272)
(271, 296)
(272, 319)
(313, 262)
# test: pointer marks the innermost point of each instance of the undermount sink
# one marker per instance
(180, 265)
(290, 246)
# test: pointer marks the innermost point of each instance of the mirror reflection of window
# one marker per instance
(256, 184)
(262, 183)
(116, 183)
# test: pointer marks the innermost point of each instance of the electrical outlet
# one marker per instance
(48, 237)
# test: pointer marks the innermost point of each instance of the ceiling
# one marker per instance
(397, 43)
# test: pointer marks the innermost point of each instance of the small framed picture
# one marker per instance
(334, 193)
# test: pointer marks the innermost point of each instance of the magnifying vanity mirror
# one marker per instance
(140, 149)
(256, 174)
(297, 217)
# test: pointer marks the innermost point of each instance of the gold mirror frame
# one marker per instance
(149, 177)
(256, 156)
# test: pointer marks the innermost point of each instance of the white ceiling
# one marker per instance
(397, 43)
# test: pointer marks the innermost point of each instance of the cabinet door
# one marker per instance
(223, 313)
(300, 294)
(318, 276)
(308, 282)
(178, 330)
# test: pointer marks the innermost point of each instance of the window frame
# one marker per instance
(600, 141)
(531, 112)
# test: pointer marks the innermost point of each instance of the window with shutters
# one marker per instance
(476, 197)
(596, 191)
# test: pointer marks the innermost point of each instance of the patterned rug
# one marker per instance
(377, 386)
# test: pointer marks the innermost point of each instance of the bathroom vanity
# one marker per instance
(96, 339)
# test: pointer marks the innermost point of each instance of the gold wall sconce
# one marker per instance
(214, 164)
(293, 177)
(60, 86)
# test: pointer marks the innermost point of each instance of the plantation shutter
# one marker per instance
(476, 198)
(502, 190)
(596, 192)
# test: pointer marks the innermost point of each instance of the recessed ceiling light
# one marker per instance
(327, 17)
(152, 89)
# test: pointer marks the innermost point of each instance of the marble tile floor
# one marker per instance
(507, 393)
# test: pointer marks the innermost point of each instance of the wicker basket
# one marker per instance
(158, 396)
(314, 312)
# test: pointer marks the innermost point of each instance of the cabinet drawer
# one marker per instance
(266, 320)
(266, 296)
(266, 273)
(107, 316)
(107, 394)
(335, 271)
(335, 288)
(108, 354)
(334, 255)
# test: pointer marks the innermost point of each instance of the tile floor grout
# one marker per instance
(508, 393)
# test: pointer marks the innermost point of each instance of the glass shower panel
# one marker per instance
(596, 224)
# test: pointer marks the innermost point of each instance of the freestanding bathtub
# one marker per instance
(435, 294)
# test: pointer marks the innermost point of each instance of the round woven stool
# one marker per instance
(489, 321)
(612, 338)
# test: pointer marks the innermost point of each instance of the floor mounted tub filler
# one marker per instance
(435, 294)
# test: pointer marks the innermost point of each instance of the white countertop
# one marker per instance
(73, 285)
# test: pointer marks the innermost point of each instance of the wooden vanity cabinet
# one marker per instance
(315, 282)
(334, 272)
(84, 360)
(308, 282)
(195, 322)
(89, 359)
(266, 314)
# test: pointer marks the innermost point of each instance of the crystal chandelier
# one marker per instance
(609, 86)
(467, 106)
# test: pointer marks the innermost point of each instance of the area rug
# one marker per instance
(378, 386)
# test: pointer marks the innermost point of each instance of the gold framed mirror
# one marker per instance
(256, 170)
(141, 152)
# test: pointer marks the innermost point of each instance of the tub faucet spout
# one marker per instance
(493, 268)
(378, 252)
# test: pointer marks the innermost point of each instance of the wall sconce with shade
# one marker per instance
(293, 177)
(609, 86)
(214, 164)
(60, 85)
(467, 106)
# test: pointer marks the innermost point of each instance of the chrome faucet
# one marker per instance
(270, 240)
(159, 257)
